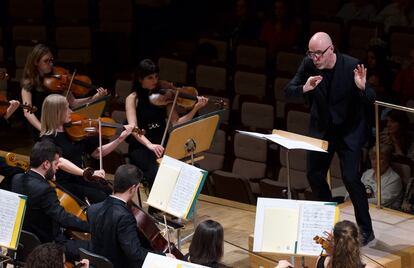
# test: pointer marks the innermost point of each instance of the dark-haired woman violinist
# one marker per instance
(140, 112)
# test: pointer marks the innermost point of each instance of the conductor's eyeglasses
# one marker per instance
(317, 53)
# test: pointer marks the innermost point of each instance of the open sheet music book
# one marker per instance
(159, 261)
(12, 211)
(286, 142)
(289, 226)
(176, 187)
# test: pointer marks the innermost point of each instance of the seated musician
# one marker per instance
(56, 113)
(5, 170)
(207, 246)
(50, 255)
(144, 113)
(38, 64)
(113, 230)
(44, 215)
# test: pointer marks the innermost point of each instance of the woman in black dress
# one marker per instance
(56, 113)
(38, 64)
(144, 150)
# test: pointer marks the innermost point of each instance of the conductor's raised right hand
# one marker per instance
(157, 149)
(312, 83)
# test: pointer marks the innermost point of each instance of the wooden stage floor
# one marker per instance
(393, 247)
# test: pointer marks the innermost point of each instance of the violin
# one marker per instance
(4, 104)
(60, 80)
(325, 243)
(68, 201)
(82, 127)
(187, 97)
(149, 230)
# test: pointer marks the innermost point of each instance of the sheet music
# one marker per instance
(163, 186)
(315, 218)
(285, 142)
(8, 214)
(159, 261)
(270, 224)
(184, 191)
(286, 221)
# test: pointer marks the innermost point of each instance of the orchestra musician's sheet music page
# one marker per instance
(12, 211)
(176, 187)
(289, 226)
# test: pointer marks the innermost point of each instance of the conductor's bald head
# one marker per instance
(321, 51)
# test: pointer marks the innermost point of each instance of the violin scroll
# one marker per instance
(326, 243)
(11, 161)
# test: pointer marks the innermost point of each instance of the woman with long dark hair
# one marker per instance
(145, 149)
(207, 246)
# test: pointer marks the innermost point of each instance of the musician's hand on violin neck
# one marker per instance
(101, 92)
(201, 102)
(126, 132)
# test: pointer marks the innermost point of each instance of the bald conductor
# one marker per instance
(339, 97)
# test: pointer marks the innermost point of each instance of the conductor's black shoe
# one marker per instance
(366, 238)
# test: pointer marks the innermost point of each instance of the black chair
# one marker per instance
(27, 242)
(95, 260)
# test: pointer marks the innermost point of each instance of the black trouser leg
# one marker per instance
(317, 167)
(350, 174)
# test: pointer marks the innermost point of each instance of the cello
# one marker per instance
(148, 229)
(69, 202)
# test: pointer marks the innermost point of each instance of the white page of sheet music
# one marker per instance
(283, 141)
(184, 191)
(153, 260)
(8, 213)
(164, 183)
(275, 210)
(315, 218)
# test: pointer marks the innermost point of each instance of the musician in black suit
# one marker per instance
(340, 99)
(113, 230)
(44, 215)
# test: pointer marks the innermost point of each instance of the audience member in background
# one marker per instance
(408, 200)
(357, 10)
(398, 13)
(207, 246)
(378, 65)
(49, 255)
(391, 183)
(345, 248)
(45, 217)
(396, 133)
(243, 22)
(281, 30)
(403, 85)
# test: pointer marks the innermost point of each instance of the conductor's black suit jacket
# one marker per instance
(340, 107)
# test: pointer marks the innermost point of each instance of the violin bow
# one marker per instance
(169, 118)
(70, 83)
(168, 234)
(100, 143)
